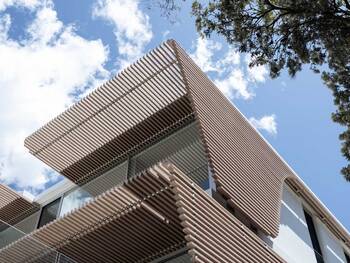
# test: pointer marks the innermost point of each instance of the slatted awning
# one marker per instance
(151, 215)
(122, 114)
(160, 93)
(14, 207)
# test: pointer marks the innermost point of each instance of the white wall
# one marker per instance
(332, 250)
(293, 242)
(54, 192)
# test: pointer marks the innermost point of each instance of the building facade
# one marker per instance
(161, 167)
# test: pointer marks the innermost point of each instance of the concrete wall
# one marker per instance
(332, 250)
(293, 242)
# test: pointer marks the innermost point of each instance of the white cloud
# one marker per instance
(234, 85)
(256, 73)
(225, 69)
(45, 27)
(204, 53)
(30, 4)
(131, 27)
(38, 76)
(267, 123)
(231, 58)
(5, 23)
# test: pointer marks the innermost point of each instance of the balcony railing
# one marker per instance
(183, 148)
(10, 234)
(81, 195)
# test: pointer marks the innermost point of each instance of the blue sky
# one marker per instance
(54, 52)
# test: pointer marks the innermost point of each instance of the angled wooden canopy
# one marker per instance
(142, 102)
(159, 93)
(14, 207)
(149, 216)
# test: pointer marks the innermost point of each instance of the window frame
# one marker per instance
(311, 226)
(347, 257)
(59, 198)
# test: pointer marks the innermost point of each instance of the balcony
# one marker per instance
(149, 218)
(182, 148)
(13, 209)
(11, 234)
(122, 227)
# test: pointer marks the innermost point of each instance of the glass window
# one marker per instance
(184, 149)
(185, 258)
(49, 212)
(314, 239)
(83, 194)
(74, 200)
(347, 257)
(179, 256)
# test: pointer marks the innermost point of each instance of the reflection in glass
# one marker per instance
(9, 235)
(99, 185)
(49, 212)
(183, 148)
(74, 200)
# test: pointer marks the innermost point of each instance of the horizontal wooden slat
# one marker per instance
(117, 116)
(149, 216)
(14, 207)
(213, 234)
(246, 168)
(150, 99)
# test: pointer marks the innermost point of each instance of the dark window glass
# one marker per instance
(347, 258)
(254, 229)
(314, 239)
(49, 212)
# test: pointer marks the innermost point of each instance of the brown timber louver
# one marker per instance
(245, 168)
(120, 115)
(156, 95)
(14, 207)
(149, 216)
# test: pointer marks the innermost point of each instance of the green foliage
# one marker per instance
(287, 34)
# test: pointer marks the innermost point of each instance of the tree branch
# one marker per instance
(276, 19)
(275, 7)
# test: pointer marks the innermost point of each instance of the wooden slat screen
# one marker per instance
(14, 207)
(149, 216)
(134, 96)
(244, 166)
(158, 94)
